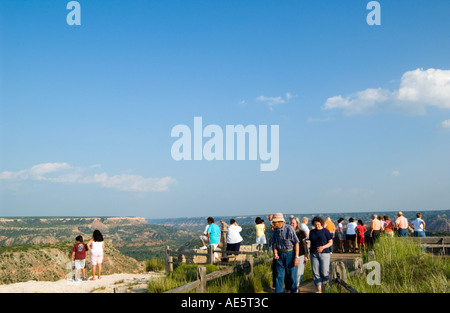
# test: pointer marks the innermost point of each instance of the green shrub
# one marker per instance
(154, 265)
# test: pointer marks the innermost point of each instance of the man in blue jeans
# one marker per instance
(286, 258)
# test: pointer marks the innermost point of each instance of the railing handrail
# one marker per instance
(204, 278)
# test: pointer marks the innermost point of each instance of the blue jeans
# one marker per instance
(403, 232)
(320, 265)
(285, 270)
(419, 233)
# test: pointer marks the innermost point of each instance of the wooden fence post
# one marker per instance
(249, 270)
(210, 258)
(358, 265)
(201, 275)
(223, 239)
(169, 261)
(338, 270)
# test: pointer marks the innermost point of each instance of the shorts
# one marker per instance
(79, 264)
(96, 257)
(361, 240)
(261, 240)
(350, 237)
(233, 247)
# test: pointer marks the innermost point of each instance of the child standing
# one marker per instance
(361, 237)
(79, 254)
(260, 234)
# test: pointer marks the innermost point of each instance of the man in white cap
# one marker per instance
(286, 258)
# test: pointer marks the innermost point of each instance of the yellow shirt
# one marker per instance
(260, 228)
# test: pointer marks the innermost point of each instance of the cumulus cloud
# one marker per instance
(418, 90)
(273, 101)
(67, 174)
(445, 125)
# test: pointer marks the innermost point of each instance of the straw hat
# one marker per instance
(278, 217)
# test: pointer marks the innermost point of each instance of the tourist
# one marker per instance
(419, 226)
(375, 229)
(213, 233)
(340, 233)
(388, 227)
(96, 245)
(270, 217)
(260, 229)
(303, 249)
(204, 238)
(304, 227)
(401, 223)
(351, 235)
(382, 222)
(274, 269)
(234, 238)
(331, 228)
(361, 229)
(321, 241)
(79, 255)
(285, 250)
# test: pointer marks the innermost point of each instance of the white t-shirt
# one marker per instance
(233, 235)
(305, 228)
(417, 223)
(351, 228)
(97, 246)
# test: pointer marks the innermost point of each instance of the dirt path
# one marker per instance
(133, 282)
(344, 257)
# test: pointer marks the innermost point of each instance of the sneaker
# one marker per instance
(84, 279)
(203, 248)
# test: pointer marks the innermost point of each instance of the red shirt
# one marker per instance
(361, 230)
(80, 251)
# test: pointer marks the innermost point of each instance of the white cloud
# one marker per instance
(273, 101)
(395, 173)
(67, 174)
(418, 90)
(445, 125)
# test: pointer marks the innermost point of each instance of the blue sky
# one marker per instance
(86, 112)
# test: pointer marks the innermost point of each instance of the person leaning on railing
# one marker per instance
(401, 223)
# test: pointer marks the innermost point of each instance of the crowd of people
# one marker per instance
(294, 244)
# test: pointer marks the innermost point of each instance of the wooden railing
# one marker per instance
(435, 245)
(188, 256)
(202, 278)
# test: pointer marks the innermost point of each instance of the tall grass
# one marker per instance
(405, 268)
(181, 275)
(155, 265)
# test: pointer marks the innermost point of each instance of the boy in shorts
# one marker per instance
(79, 254)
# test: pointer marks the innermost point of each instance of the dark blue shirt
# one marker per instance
(319, 238)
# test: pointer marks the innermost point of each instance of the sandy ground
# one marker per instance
(107, 284)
